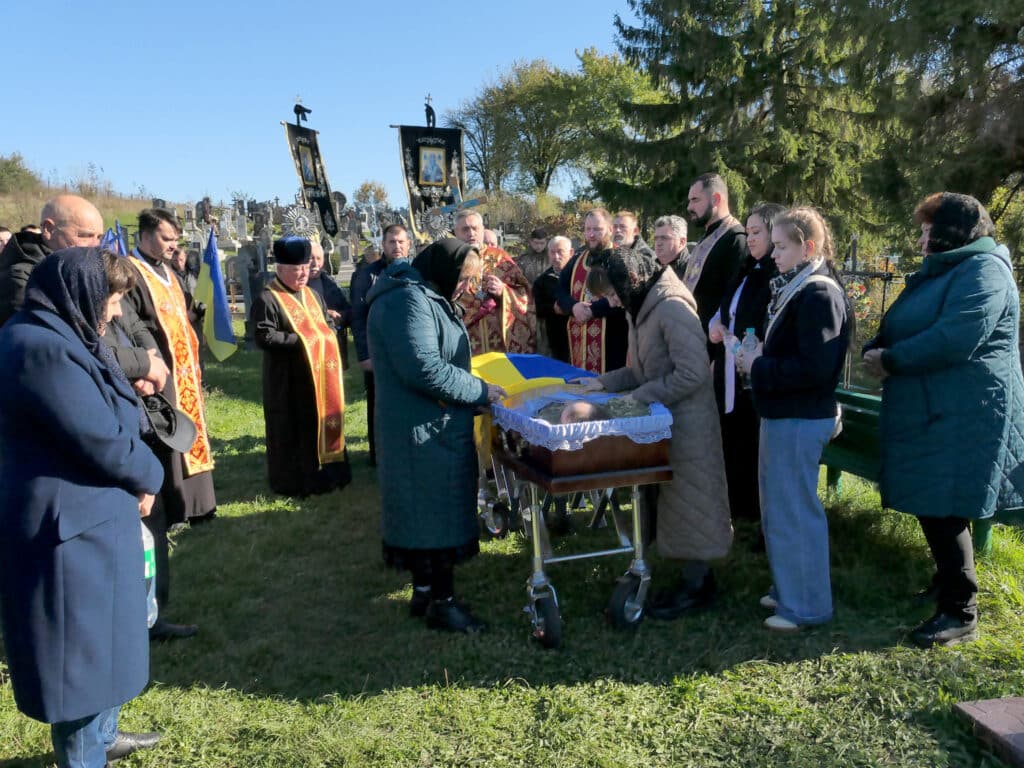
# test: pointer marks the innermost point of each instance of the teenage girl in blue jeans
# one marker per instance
(793, 381)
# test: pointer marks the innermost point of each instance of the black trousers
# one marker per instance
(740, 435)
(371, 400)
(949, 539)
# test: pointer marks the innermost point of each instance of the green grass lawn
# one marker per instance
(307, 657)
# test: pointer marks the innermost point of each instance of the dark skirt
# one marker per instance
(426, 560)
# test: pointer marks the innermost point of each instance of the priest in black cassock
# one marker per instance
(303, 398)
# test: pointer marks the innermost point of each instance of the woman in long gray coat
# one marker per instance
(952, 426)
(426, 400)
(669, 364)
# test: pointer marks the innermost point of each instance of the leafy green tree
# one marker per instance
(488, 138)
(539, 102)
(15, 176)
(606, 85)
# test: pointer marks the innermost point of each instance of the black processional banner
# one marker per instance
(434, 178)
(316, 190)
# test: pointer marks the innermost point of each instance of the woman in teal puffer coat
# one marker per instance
(426, 400)
(952, 422)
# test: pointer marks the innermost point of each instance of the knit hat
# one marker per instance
(959, 220)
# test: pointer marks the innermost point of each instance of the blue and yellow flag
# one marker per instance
(516, 374)
(519, 373)
(210, 291)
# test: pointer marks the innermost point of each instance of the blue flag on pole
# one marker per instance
(114, 240)
(109, 241)
(210, 291)
(122, 242)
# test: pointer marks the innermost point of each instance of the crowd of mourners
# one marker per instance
(742, 335)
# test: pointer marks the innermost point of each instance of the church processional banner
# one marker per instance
(435, 175)
(309, 165)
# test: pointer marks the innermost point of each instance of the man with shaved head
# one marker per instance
(66, 221)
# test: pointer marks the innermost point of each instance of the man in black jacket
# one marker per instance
(65, 221)
(396, 246)
(626, 234)
(716, 259)
(552, 333)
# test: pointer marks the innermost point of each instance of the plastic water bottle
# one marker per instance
(749, 345)
(149, 575)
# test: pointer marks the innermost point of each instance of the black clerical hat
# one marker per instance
(292, 250)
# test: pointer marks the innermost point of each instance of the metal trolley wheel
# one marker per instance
(625, 609)
(547, 622)
(495, 520)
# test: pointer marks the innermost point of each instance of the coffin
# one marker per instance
(584, 448)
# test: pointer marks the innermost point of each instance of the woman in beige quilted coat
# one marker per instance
(668, 363)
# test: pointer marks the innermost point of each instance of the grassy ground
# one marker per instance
(307, 657)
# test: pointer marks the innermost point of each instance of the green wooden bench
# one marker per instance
(856, 451)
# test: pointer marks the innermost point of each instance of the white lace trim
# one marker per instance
(571, 437)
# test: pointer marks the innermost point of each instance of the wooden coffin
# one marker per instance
(602, 454)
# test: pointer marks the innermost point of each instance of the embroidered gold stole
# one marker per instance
(695, 264)
(587, 339)
(172, 315)
(320, 344)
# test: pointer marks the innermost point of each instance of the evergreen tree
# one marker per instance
(951, 75)
(757, 91)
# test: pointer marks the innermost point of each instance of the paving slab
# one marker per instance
(999, 724)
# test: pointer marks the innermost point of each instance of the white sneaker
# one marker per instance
(779, 624)
(769, 602)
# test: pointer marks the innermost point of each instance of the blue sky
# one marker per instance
(185, 99)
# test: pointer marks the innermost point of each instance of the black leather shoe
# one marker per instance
(449, 616)
(126, 743)
(927, 596)
(667, 606)
(165, 630)
(418, 603)
(943, 629)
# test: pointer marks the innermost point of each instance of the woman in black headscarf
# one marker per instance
(669, 364)
(74, 477)
(426, 400)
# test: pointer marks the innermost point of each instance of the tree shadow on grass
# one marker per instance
(36, 761)
(295, 602)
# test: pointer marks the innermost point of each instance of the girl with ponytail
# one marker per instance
(793, 380)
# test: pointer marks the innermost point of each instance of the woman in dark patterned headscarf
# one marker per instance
(74, 477)
(668, 363)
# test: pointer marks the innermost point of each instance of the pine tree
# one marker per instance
(757, 91)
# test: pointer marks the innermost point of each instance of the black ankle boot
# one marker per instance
(681, 601)
(449, 616)
(419, 602)
(945, 629)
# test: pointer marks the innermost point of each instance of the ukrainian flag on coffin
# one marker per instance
(519, 373)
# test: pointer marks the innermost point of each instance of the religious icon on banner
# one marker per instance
(309, 166)
(306, 161)
(432, 166)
